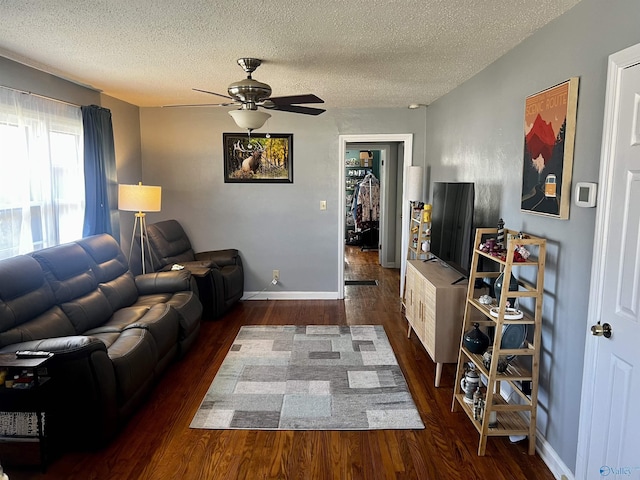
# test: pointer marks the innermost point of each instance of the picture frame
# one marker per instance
(549, 138)
(258, 158)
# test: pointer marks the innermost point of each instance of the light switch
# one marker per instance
(323, 204)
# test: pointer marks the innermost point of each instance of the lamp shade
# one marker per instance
(414, 182)
(249, 119)
(139, 198)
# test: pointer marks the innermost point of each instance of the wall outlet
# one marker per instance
(276, 277)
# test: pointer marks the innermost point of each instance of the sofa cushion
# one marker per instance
(68, 270)
(160, 320)
(23, 291)
(28, 308)
(134, 357)
(88, 311)
(50, 324)
(186, 304)
(111, 269)
(170, 244)
(120, 292)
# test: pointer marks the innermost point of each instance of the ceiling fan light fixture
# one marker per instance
(249, 119)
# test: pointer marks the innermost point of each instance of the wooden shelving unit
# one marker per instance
(419, 233)
(512, 418)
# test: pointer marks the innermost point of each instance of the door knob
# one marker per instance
(603, 330)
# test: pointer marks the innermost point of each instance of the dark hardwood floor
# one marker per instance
(157, 442)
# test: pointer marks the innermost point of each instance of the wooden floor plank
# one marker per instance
(157, 443)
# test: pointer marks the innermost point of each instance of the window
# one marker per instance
(41, 173)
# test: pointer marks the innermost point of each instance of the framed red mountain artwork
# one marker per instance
(549, 134)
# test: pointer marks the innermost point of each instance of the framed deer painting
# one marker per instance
(258, 158)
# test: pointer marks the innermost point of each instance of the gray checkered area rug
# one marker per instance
(309, 378)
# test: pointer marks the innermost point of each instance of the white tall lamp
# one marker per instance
(414, 175)
(140, 199)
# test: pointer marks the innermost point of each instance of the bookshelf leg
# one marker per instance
(483, 445)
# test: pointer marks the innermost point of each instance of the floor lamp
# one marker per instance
(140, 199)
(414, 176)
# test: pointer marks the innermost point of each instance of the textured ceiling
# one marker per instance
(363, 53)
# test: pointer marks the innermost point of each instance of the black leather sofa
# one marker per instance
(112, 334)
(219, 273)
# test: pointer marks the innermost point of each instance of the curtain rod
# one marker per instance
(41, 96)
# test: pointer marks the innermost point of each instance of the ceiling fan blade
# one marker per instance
(298, 109)
(213, 93)
(203, 105)
(309, 98)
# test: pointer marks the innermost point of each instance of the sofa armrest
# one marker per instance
(163, 282)
(196, 265)
(82, 401)
(74, 346)
(222, 258)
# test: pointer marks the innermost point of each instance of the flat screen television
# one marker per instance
(452, 224)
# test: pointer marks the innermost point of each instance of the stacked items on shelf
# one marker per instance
(419, 231)
(510, 355)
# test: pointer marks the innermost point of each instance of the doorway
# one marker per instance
(370, 200)
(392, 228)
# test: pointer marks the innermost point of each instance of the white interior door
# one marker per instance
(609, 439)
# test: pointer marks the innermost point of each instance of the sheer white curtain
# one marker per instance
(41, 172)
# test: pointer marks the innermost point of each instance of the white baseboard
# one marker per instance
(551, 459)
(270, 295)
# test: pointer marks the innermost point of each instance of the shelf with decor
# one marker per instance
(503, 346)
(419, 232)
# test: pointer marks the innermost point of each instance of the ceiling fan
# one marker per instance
(250, 94)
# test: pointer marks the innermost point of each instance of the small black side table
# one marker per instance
(32, 399)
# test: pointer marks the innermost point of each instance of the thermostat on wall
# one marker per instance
(585, 194)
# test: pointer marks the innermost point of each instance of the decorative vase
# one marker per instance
(469, 384)
(513, 286)
(475, 340)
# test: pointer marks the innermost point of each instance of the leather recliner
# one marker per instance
(223, 283)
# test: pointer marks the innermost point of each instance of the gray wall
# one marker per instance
(21, 77)
(126, 136)
(475, 133)
(275, 226)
